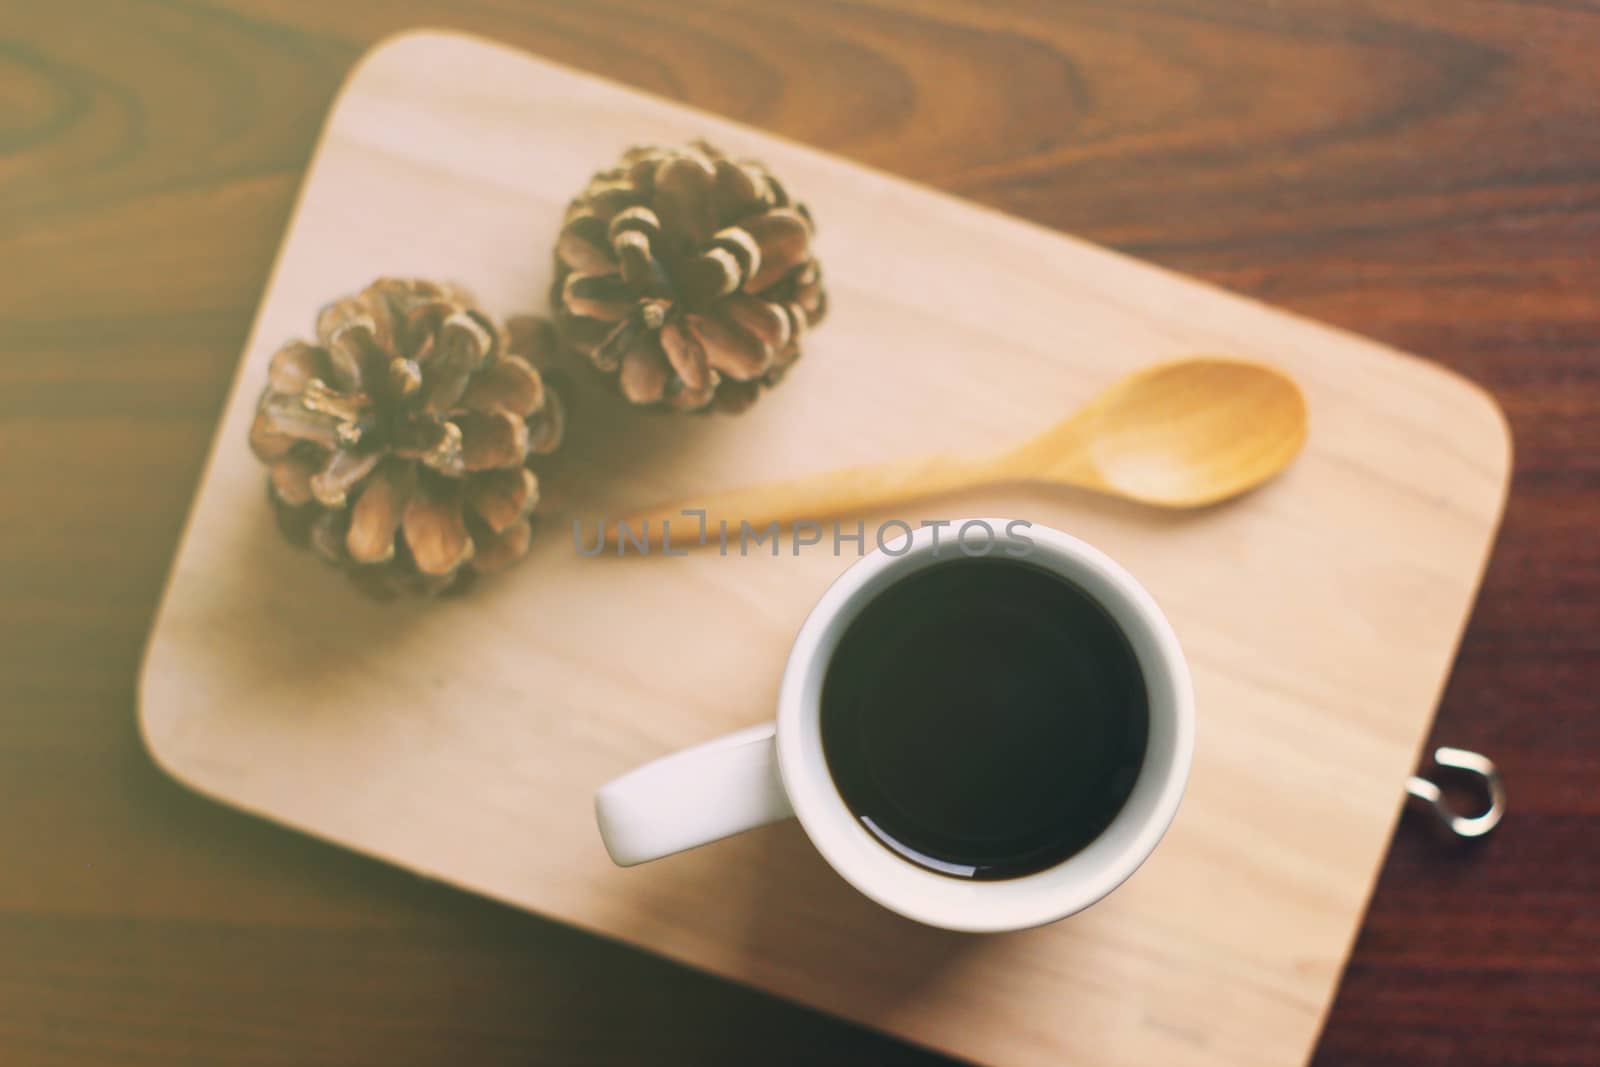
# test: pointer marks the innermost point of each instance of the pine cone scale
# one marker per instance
(758, 318)
(376, 515)
(291, 481)
(731, 351)
(686, 354)
(435, 530)
(502, 548)
(683, 198)
(510, 384)
(585, 244)
(492, 441)
(344, 469)
(503, 497)
(738, 186)
(294, 365)
(784, 238)
(645, 373)
(547, 426)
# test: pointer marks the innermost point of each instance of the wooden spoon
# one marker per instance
(1182, 434)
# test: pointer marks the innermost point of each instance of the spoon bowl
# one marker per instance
(1182, 434)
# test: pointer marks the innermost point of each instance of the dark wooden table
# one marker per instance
(1427, 173)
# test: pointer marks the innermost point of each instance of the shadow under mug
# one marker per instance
(777, 770)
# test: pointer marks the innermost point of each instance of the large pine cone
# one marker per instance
(688, 276)
(399, 445)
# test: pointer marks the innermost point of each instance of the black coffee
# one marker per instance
(984, 718)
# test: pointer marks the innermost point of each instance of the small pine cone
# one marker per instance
(688, 277)
(399, 446)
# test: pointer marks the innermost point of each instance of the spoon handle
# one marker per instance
(817, 497)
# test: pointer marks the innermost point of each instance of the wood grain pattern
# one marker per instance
(1426, 174)
(465, 739)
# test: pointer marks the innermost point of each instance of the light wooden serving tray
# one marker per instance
(463, 739)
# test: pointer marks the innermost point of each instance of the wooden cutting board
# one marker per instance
(464, 739)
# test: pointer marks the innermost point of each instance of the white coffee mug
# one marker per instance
(777, 770)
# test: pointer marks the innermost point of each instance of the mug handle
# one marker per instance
(693, 797)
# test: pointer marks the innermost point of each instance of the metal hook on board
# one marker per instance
(1481, 767)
